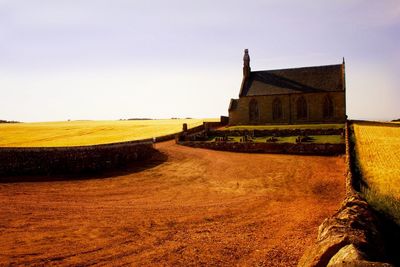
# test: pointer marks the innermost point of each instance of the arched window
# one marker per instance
(277, 109)
(327, 108)
(301, 105)
(253, 111)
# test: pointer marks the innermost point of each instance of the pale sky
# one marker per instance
(96, 59)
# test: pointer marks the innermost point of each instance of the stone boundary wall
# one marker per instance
(71, 160)
(196, 129)
(282, 148)
(277, 132)
(200, 130)
(172, 136)
(352, 236)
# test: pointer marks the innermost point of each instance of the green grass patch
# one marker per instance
(328, 139)
(318, 139)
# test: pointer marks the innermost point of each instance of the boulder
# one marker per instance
(321, 253)
(349, 237)
(346, 254)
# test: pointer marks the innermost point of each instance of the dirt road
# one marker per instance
(198, 207)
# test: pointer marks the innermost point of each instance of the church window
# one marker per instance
(277, 109)
(328, 107)
(301, 105)
(253, 111)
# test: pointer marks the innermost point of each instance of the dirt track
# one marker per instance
(199, 207)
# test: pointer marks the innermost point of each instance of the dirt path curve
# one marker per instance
(199, 207)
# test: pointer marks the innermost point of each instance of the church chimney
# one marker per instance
(246, 64)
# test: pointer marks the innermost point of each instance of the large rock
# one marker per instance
(321, 253)
(350, 236)
(352, 257)
(347, 254)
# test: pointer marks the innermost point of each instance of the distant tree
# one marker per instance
(4, 121)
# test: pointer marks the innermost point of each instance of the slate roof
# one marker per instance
(296, 80)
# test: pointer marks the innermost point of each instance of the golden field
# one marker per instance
(378, 158)
(78, 133)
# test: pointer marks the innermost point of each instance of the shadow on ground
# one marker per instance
(156, 159)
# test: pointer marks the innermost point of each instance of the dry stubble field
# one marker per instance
(81, 133)
(197, 207)
(378, 158)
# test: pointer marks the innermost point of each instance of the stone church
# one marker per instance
(290, 96)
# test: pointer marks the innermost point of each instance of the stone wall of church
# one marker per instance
(315, 106)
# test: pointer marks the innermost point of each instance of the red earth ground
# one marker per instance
(194, 207)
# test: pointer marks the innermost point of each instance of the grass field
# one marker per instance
(76, 133)
(282, 127)
(378, 158)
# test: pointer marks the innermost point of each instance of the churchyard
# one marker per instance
(285, 127)
(319, 139)
(280, 134)
(282, 139)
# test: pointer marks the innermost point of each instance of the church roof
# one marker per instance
(295, 80)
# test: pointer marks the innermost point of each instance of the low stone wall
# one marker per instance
(71, 160)
(352, 236)
(282, 148)
(199, 131)
(224, 120)
(193, 130)
(161, 138)
(280, 132)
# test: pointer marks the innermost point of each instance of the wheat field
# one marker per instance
(77, 133)
(378, 158)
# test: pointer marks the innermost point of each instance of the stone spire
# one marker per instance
(246, 64)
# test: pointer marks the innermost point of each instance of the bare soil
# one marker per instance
(197, 207)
